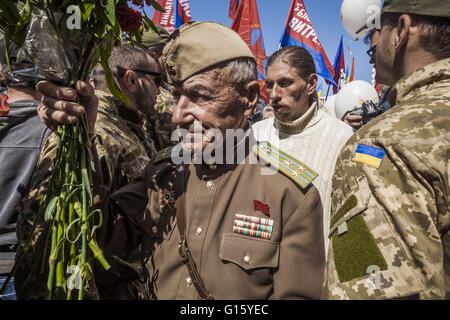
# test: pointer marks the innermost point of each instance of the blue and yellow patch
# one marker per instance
(368, 155)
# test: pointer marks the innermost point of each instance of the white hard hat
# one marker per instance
(360, 16)
(353, 94)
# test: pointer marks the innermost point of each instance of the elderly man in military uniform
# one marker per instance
(390, 218)
(214, 230)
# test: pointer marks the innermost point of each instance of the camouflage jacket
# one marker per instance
(160, 125)
(124, 149)
(390, 219)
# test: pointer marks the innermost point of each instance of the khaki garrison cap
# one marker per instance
(150, 38)
(436, 8)
(198, 45)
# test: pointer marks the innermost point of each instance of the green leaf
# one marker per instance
(111, 11)
(149, 23)
(119, 95)
(10, 11)
(87, 10)
(157, 6)
(50, 209)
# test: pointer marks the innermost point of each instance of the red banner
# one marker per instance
(233, 7)
(246, 24)
(167, 19)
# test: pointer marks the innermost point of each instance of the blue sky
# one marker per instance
(324, 15)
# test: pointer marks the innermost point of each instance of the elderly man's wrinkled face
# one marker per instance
(208, 101)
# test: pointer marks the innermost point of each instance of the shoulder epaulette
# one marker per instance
(165, 154)
(291, 167)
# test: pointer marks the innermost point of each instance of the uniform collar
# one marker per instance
(419, 81)
(308, 119)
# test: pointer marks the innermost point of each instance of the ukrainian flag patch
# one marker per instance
(368, 155)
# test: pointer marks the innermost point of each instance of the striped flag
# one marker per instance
(300, 32)
(177, 12)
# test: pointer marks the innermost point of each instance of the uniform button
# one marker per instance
(247, 259)
(210, 185)
(188, 281)
(199, 231)
(154, 229)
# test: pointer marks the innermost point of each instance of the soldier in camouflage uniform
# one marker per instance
(390, 222)
(124, 148)
(162, 118)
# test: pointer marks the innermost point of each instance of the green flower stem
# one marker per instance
(84, 223)
(53, 253)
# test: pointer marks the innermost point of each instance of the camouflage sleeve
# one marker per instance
(388, 226)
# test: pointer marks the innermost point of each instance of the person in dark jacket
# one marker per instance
(22, 135)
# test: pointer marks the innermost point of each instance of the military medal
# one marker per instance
(266, 222)
(253, 233)
(166, 198)
(253, 226)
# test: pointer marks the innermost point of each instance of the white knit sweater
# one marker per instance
(316, 139)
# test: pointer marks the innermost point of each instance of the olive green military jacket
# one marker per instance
(124, 150)
(287, 265)
(390, 217)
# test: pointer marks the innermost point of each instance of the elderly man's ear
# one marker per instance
(252, 96)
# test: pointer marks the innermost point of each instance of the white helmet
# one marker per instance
(360, 16)
(354, 94)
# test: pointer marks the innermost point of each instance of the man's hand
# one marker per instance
(354, 121)
(57, 104)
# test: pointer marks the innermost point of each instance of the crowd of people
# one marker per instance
(283, 201)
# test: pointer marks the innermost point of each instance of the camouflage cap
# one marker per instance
(150, 38)
(198, 45)
(436, 8)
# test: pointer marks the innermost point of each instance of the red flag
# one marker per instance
(233, 7)
(352, 75)
(167, 19)
(246, 24)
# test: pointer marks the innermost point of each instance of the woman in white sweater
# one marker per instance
(301, 126)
